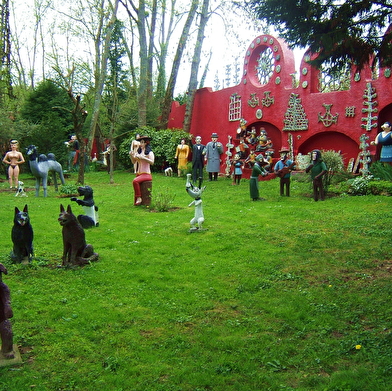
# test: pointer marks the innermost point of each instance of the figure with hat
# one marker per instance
(317, 170)
(212, 152)
(283, 170)
(385, 140)
(5, 316)
(144, 157)
(197, 160)
(258, 169)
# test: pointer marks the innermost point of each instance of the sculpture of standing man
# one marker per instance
(197, 160)
(317, 170)
(212, 153)
(5, 315)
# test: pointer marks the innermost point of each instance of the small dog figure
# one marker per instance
(6, 314)
(90, 219)
(168, 171)
(75, 250)
(22, 236)
(195, 192)
(20, 190)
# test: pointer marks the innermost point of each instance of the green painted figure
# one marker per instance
(257, 169)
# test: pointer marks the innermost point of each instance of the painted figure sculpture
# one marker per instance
(258, 169)
(212, 152)
(5, 316)
(317, 170)
(283, 169)
(195, 193)
(13, 158)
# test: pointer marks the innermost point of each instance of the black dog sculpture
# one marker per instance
(22, 236)
(90, 219)
(75, 252)
(5, 314)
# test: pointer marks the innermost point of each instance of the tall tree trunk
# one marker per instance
(204, 16)
(176, 65)
(100, 73)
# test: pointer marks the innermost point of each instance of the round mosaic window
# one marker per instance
(265, 66)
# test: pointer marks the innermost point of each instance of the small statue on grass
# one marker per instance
(76, 251)
(195, 192)
(90, 218)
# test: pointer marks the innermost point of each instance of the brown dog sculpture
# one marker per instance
(75, 252)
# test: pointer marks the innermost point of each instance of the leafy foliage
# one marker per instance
(339, 31)
(334, 162)
(360, 185)
(46, 109)
(381, 171)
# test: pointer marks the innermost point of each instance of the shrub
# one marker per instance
(68, 190)
(163, 201)
(381, 171)
(380, 187)
(360, 185)
(334, 163)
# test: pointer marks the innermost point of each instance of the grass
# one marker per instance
(283, 294)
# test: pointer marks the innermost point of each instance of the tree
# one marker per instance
(204, 16)
(338, 31)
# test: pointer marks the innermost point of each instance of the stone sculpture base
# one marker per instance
(11, 361)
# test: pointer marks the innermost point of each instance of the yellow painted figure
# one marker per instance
(182, 154)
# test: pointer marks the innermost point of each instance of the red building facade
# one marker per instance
(294, 114)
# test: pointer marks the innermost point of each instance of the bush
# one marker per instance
(381, 171)
(163, 201)
(334, 163)
(380, 187)
(68, 190)
(360, 185)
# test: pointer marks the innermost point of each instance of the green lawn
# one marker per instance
(282, 294)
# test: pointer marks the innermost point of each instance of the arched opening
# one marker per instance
(331, 141)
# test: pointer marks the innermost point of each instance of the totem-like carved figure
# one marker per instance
(5, 316)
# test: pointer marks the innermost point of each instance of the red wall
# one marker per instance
(211, 109)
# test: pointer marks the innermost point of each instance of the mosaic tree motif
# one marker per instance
(370, 103)
(365, 158)
(295, 116)
(265, 66)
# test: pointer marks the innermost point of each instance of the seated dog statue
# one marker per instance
(22, 236)
(90, 218)
(76, 252)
